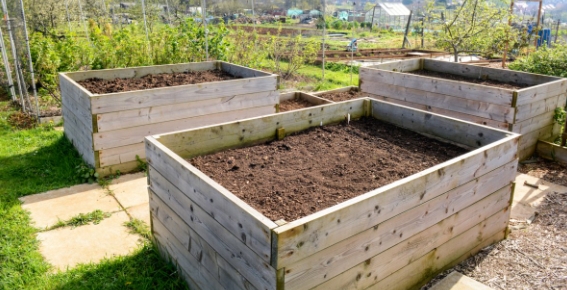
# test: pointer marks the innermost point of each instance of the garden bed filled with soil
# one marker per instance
(343, 96)
(101, 86)
(323, 166)
(486, 82)
(294, 104)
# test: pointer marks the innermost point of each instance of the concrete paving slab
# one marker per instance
(458, 281)
(46, 209)
(130, 190)
(141, 212)
(529, 193)
(66, 247)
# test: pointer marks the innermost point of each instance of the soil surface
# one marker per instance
(449, 76)
(323, 166)
(337, 97)
(535, 254)
(294, 104)
(100, 86)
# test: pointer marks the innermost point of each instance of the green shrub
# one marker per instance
(547, 61)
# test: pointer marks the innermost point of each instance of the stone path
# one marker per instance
(65, 247)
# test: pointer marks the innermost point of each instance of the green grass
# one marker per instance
(42, 159)
(333, 79)
(82, 219)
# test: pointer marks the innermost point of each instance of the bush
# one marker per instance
(548, 61)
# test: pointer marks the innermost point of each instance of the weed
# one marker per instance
(139, 227)
(84, 173)
(82, 219)
(142, 165)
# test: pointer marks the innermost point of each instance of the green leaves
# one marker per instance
(548, 61)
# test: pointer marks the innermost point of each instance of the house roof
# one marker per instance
(394, 9)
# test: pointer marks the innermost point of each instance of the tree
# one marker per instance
(471, 27)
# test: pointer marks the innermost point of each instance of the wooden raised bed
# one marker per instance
(108, 129)
(394, 237)
(301, 96)
(528, 111)
(552, 151)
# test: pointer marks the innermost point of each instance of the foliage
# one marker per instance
(340, 67)
(475, 26)
(138, 226)
(142, 165)
(547, 61)
(560, 116)
(84, 173)
(82, 219)
(294, 50)
(246, 49)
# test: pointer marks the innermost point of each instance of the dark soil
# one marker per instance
(323, 166)
(100, 86)
(337, 97)
(294, 104)
(449, 76)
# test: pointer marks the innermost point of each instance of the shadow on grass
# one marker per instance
(144, 269)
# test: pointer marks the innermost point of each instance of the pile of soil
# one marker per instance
(294, 104)
(344, 96)
(323, 166)
(100, 86)
(442, 75)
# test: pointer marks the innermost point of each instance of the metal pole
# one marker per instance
(406, 32)
(7, 67)
(21, 86)
(352, 48)
(204, 13)
(422, 31)
(372, 22)
(146, 28)
(557, 30)
(324, 34)
(168, 15)
(507, 36)
(30, 60)
(538, 21)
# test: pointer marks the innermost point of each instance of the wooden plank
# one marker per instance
(70, 89)
(129, 136)
(81, 113)
(200, 276)
(78, 136)
(259, 273)
(530, 110)
(400, 65)
(138, 72)
(552, 151)
(215, 138)
(188, 207)
(501, 75)
(534, 123)
(339, 90)
(485, 218)
(311, 98)
(331, 261)
(531, 138)
(132, 166)
(541, 91)
(229, 277)
(241, 71)
(180, 94)
(153, 115)
(455, 130)
(303, 237)
(473, 92)
(487, 110)
(526, 152)
(418, 273)
(123, 154)
(445, 112)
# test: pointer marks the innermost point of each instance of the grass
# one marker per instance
(42, 159)
(82, 219)
(333, 79)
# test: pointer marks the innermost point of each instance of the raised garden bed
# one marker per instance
(392, 236)
(342, 94)
(299, 100)
(552, 151)
(108, 129)
(516, 101)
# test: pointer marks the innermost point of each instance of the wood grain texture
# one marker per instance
(445, 112)
(552, 151)
(129, 136)
(311, 98)
(330, 262)
(530, 110)
(71, 89)
(180, 94)
(401, 65)
(470, 91)
(535, 123)
(79, 137)
(491, 212)
(123, 154)
(462, 102)
(542, 91)
(159, 114)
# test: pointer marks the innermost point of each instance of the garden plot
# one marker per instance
(342, 94)
(443, 206)
(299, 100)
(516, 101)
(108, 121)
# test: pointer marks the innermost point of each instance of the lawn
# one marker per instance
(41, 159)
